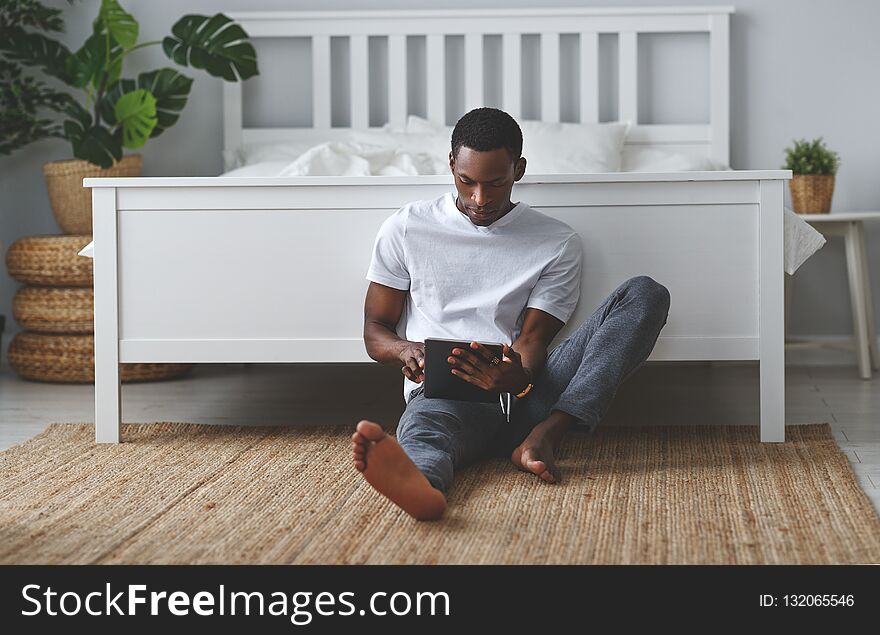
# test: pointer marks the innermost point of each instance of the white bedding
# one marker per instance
(423, 147)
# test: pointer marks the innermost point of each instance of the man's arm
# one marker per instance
(382, 310)
(539, 329)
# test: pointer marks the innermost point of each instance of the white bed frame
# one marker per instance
(273, 270)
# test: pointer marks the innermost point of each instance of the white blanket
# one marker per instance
(348, 158)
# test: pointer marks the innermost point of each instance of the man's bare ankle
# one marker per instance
(558, 417)
(554, 426)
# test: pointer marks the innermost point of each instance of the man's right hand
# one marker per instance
(413, 358)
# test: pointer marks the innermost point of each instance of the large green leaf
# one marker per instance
(122, 26)
(35, 49)
(170, 88)
(107, 107)
(79, 114)
(90, 62)
(217, 45)
(136, 113)
(93, 143)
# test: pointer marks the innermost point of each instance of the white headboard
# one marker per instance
(710, 140)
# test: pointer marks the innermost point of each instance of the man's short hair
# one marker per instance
(486, 129)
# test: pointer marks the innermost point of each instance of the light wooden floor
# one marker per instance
(276, 394)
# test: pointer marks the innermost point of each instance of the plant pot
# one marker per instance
(71, 202)
(811, 193)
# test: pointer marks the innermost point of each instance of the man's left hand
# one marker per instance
(474, 367)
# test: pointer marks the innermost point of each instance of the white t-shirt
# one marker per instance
(474, 283)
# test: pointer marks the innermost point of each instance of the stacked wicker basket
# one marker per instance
(56, 309)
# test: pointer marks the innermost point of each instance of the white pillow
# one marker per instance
(556, 148)
(565, 148)
(637, 159)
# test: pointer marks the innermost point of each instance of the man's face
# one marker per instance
(484, 181)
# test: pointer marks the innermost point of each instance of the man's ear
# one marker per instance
(451, 161)
(519, 169)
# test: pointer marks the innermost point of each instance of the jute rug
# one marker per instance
(184, 493)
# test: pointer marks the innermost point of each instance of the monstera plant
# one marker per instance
(118, 112)
(108, 111)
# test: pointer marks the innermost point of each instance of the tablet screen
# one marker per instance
(440, 383)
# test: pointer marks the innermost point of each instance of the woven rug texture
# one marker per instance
(176, 493)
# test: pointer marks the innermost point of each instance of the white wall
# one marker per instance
(799, 68)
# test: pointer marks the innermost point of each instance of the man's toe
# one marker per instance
(537, 467)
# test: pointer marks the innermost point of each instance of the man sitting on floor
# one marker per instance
(473, 266)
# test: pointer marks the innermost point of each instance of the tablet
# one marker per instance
(440, 383)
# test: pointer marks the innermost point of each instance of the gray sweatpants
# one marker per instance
(581, 377)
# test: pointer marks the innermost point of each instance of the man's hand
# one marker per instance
(473, 366)
(413, 358)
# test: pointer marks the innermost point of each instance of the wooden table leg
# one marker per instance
(869, 300)
(857, 297)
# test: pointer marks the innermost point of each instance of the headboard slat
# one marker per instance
(473, 61)
(550, 77)
(360, 78)
(511, 47)
(627, 77)
(719, 80)
(435, 54)
(589, 77)
(321, 81)
(397, 80)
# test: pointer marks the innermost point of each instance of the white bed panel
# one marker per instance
(258, 273)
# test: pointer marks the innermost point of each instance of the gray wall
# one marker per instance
(798, 69)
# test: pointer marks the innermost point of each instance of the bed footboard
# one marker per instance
(273, 270)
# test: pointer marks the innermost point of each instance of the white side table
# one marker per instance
(850, 225)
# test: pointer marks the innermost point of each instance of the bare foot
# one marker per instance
(392, 473)
(536, 455)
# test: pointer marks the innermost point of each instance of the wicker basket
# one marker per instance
(50, 261)
(71, 202)
(811, 193)
(71, 359)
(55, 309)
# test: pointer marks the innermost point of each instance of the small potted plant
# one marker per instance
(813, 168)
(117, 112)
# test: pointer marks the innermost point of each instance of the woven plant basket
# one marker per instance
(50, 261)
(71, 202)
(55, 309)
(71, 359)
(811, 193)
